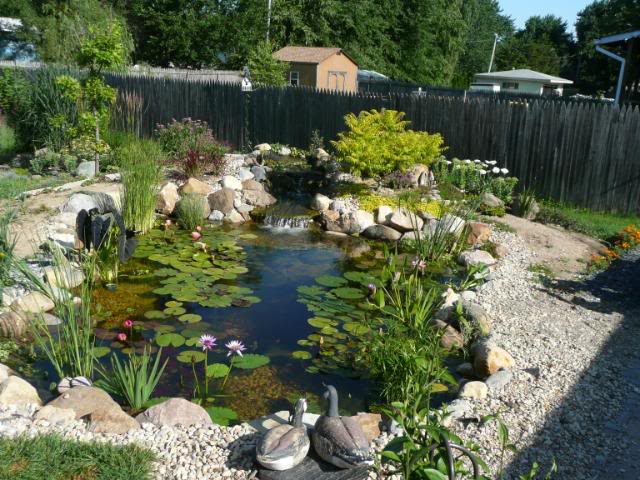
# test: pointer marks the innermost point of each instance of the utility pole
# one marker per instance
(493, 51)
(268, 18)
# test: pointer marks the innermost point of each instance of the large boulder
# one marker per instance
(259, 198)
(383, 214)
(452, 223)
(79, 201)
(451, 338)
(381, 232)
(229, 181)
(16, 391)
(33, 302)
(64, 276)
(476, 257)
(244, 174)
(86, 169)
(103, 413)
(193, 185)
(234, 217)
(419, 175)
(12, 324)
(174, 412)
(405, 221)
(349, 223)
(320, 202)
(489, 358)
(259, 173)
(55, 416)
(370, 423)
(167, 198)
(222, 200)
(478, 233)
(252, 185)
(477, 316)
(490, 201)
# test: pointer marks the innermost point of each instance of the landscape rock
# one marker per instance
(259, 173)
(488, 359)
(113, 177)
(383, 213)
(498, 381)
(263, 147)
(478, 233)
(112, 420)
(405, 221)
(5, 372)
(65, 238)
(451, 338)
(54, 415)
(175, 411)
(77, 202)
(193, 185)
(86, 169)
(452, 223)
(466, 370)
(259, 198)
(410, 237)
(51, 320)
(419, 175)
(252, 185)
(167, 198)
(222, 200)
(478, 317)
(64, 276)
(370, 423)
(244, 174)
(476, 257)
(489, 200)
(234, 217)
(16, 391)
(320, 202)
(216, 216)
(33, 302)
(84, 401)
(534, 209)
(474, 390)
(362, 219)
(67, 218)
(12, 325)
(381, 232)
(231, 182)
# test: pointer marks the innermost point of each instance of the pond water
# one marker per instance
(250, 294)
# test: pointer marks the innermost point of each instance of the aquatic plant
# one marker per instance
(7, 246)
(189, 211)
(69, 347)
(140, 164)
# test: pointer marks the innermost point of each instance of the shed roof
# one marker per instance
(523, 74)
(308, 54)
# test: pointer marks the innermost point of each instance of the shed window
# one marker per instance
(510, 85)
(294, 78)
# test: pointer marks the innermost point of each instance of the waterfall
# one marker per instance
(287, 214)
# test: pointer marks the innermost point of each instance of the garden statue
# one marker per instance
(340, 440)
(285, 446)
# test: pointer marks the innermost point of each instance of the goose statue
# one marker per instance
(285, 446)
(340, 440)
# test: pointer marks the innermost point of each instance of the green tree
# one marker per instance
(535, 54)
(264, 68)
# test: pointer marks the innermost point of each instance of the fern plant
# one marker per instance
(378, 142)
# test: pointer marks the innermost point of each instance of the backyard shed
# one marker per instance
(327, 68)
(520, 81)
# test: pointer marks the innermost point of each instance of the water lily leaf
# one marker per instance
(165, 272)
(250, 360)
(187, 355)
(252, 299)
(311, 290)
(216, 302)
(305, 343)
(347, 293)
(301, 355)
(328, 330)
(192, 341)
(320, 322)
(190, 318)
(164, 328)
(312, 369)
(174, 311)
(355, 328)
(360, 277)
(170, 339)
(100, 352)
(217, 370)
(330, 281)
(151, 314)
(172, 303)
(221, 415)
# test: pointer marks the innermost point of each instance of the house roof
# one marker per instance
(308, 54)
(523, 74)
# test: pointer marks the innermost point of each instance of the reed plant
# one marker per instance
(69, 346)
(127, 113)
(7, 246)
(135, 378)
(190, 211)
(140, 164)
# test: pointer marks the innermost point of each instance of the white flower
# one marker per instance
(476, 161)
(504, 171)
(491, 162)
(482, 171)
(495, 170)
(448, 162)
(467, 161)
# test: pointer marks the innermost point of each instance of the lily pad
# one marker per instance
(172, 303)
(187, 356)
(190, 318)
(348, 293)
(311, 290)
(170, 339)
(154, 314)
(355, 328)
(320, 322)
(217, 370)
(174, 311)
(100, 352)
(301, 355)
(250, 361)
(330, 281)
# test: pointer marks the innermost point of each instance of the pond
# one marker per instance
(247, 284)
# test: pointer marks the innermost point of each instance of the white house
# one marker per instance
(521, 81)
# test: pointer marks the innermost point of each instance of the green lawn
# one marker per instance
(596, 224)
(55, 458)
(13, 185)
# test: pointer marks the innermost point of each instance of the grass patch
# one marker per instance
(596, 224)
(56, 458)
(12, 185)
(541, 270)
(7, 142)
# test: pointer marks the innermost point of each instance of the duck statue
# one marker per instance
(340, 440)
(285, 446)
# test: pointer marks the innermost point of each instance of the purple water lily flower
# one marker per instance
(235, 346)
(207, 342)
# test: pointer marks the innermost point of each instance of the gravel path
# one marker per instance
(572, 341)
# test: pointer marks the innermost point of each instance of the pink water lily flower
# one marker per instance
(196, 235)
(235, 346)
(199, 228)
(121, 337)
(128, 323)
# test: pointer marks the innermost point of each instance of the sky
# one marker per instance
(520, 10)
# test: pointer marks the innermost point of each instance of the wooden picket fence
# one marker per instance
(586, 154)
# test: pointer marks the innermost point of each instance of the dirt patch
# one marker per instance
(35, 212)
(563, 252)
